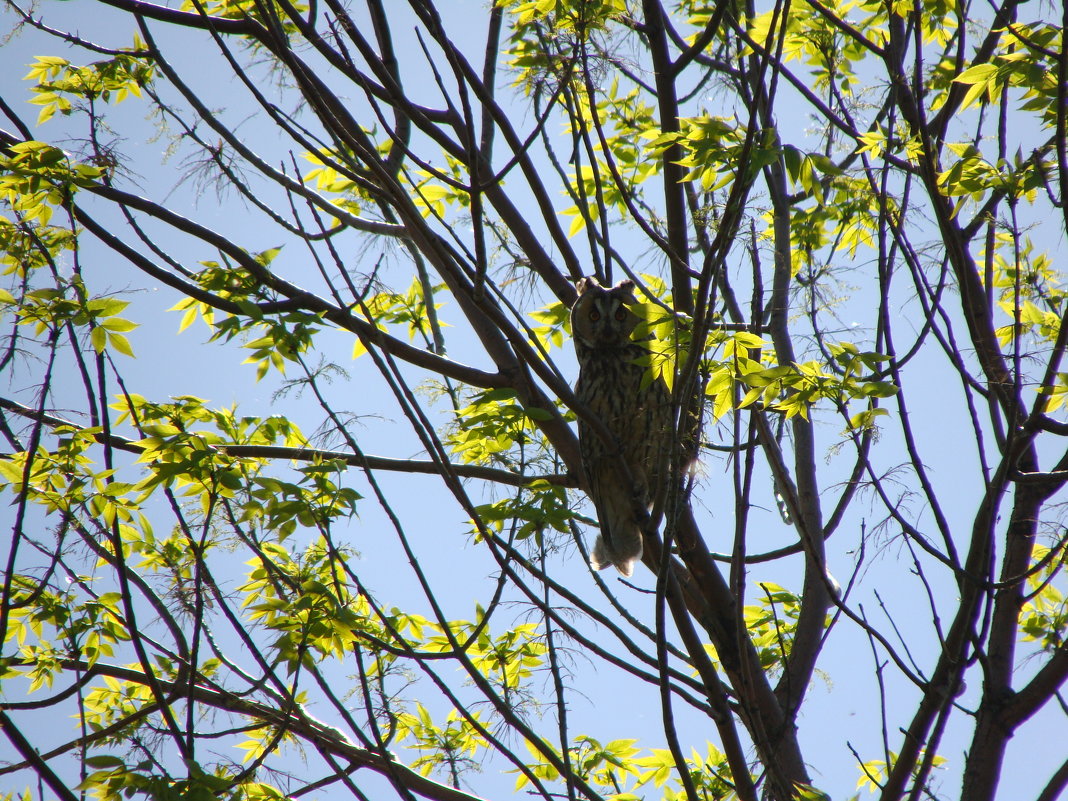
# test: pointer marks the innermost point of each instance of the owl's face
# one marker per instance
(600, 317)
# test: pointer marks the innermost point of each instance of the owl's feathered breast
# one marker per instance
(610, 385)
(610, 380)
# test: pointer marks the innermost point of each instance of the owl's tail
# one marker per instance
(619, 543)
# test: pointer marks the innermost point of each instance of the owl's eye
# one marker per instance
(621, 314)
(595, 315)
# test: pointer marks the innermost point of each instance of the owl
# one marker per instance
(636, 412)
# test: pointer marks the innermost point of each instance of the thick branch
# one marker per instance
(674, 193)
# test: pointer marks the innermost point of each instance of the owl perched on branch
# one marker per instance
(636, 412)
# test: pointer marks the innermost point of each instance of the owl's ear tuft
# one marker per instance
(585, 284)
(626, 288)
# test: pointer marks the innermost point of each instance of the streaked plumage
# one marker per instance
(610, 386)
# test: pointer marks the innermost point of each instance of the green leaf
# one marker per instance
(105, 761)
(118, 324)
(119, 343)
(978, 73)
(99, 339)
